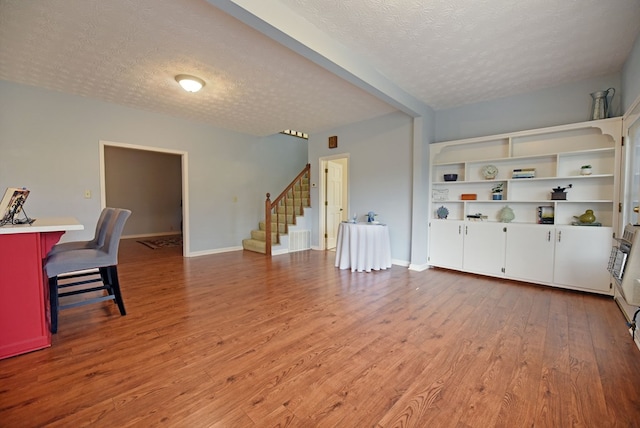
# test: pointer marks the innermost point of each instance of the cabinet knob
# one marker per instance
(549, 236)
(635, 209)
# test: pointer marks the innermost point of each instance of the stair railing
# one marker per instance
(271, 208)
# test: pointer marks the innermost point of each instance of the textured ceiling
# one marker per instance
(453, 52)
(445, 53)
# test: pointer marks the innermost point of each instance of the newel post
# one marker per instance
(267, 224)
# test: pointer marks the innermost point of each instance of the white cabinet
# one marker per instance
(472, 247)
(484, 246)
(581, 258)
(567, 256)
(541, 252)
(448, 236)
(530, 253)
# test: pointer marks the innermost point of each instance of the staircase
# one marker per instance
(287, 228)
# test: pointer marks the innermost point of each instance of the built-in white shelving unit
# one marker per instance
(560, 253)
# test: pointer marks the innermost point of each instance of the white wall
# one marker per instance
(49, 142)
(149, 184)
(380, 174)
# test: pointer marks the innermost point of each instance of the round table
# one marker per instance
(363, 247)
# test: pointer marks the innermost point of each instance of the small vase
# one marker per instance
(497, 196)
(585, 171)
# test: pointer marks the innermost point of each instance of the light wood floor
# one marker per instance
(240, 340)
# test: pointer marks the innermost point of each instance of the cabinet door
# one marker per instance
(530, 252)
(23, 324)
(484, 245)
(445, 249)
(582, 256)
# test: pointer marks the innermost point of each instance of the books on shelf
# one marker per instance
(546, 214)
(523, 173)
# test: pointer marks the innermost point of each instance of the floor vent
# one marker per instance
(299, 240)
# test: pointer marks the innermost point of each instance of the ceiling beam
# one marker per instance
(281, 24)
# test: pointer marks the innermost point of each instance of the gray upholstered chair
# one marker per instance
(98, 238)
(98, 263)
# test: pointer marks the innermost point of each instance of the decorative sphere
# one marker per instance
(506, 214)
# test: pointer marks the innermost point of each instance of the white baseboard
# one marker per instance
(275, 251)
(419, 268)
(151, 235)
(402, 263)
(214, 251)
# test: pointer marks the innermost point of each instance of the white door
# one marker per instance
(582, 256)
(445, 243)
(530, 253)
(484, 244)
(334, 201)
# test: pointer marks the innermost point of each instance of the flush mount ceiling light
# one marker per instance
(190, 83)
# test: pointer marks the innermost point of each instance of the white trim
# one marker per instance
(419, 268)
(633, 105)
(184, 156)
(403, 263)
(150, 235)
(629, 119)
(215, 251)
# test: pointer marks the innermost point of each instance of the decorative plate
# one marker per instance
(442, 212)
(489, 172)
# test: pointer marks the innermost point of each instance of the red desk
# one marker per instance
(24, 300)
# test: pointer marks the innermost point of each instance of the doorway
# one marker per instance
(334, 197)
(132, 182)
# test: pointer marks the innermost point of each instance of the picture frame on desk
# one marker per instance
(11, 204)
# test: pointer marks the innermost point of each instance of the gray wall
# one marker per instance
(570, 103)
(560, 105)
(149, 184)
(49, 143)
(380, 173)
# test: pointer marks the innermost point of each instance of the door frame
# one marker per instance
(184, 162)
(322, 194)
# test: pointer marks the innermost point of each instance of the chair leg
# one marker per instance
(53, 303)
(112, 273)
(105, 275)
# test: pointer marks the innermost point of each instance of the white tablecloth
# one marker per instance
(363, 247)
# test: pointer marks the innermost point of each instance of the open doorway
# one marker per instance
(153, 183)
(334, 197)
